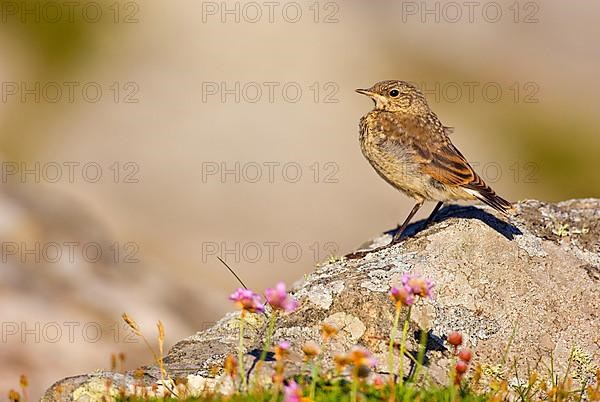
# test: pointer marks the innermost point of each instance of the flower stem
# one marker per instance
(354, 390)
(403, 344)
(391, 346)
(421, 354)
(313, 381)
(241, 353)
(270, 330)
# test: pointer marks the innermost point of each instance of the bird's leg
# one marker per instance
(399, 232)
(429, 220)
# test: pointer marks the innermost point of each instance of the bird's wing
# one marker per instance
(426, 140)
(433, 150)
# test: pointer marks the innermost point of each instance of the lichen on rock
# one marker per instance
(532, 284)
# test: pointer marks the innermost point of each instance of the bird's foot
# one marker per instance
(397, 239)
(398, 236)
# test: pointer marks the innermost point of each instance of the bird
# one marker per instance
(410, 148)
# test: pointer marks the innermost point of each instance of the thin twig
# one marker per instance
(233, 272)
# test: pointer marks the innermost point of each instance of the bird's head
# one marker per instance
(396, 96)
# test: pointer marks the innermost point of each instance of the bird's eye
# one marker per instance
(394, 93)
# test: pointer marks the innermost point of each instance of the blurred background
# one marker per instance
(140, 140)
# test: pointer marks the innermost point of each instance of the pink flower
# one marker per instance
(402, 296)
(247, 300)
(282, 350)
(416, 285)
(378, 382)
(279, 299)
(361, 356)
(292, 392)
(363, 361)
(455, 338)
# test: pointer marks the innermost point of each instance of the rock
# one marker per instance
(520, 291)
(59, 300)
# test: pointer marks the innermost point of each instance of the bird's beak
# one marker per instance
(365, 92)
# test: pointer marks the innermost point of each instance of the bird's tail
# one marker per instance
(478, 189)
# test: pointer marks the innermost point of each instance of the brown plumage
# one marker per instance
(409, 147)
